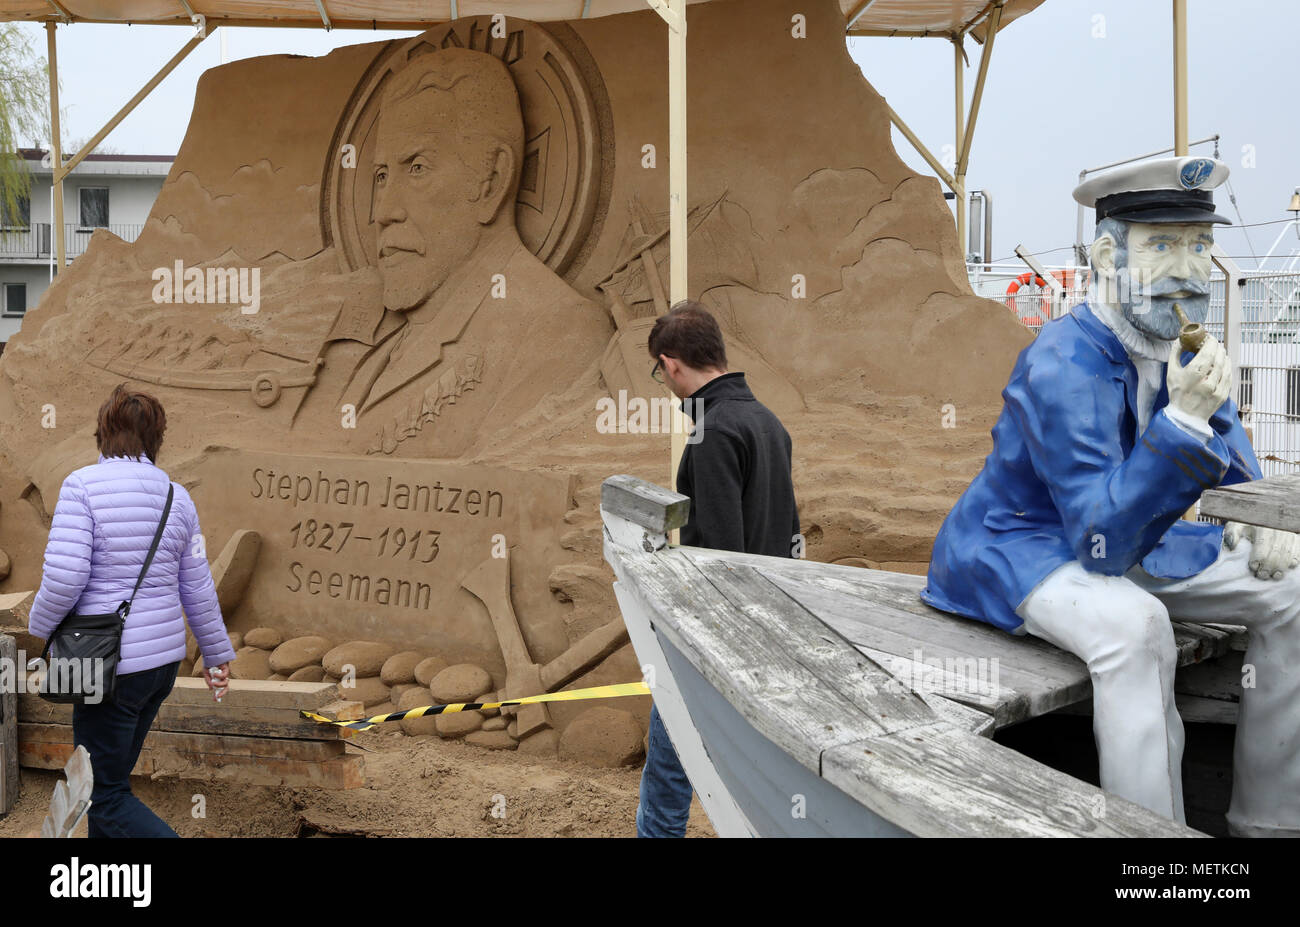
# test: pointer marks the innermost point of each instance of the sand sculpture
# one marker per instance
(382, 293)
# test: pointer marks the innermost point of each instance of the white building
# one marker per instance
(108, 191)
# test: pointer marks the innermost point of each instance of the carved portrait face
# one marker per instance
(445, 163)
(424, 202)
(1151, 266)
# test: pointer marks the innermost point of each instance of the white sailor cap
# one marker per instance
(1166, 190)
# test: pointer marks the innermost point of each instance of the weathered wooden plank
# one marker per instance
(782, 699)
(1273, 502)
(199, 719)
(255, 693)
(1032, 676)
(1218, 679)
(188, 742)
(960, 716)
(651, 507)
(1004, 706)
(816, 647)
(942, 782)
(8, 728)
(1191, 708)
(881, 613)
(339, 772)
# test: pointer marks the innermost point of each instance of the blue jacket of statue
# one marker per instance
(1070, 479)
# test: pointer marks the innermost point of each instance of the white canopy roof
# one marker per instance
(862, 17)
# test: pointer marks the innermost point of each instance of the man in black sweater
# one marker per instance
(736, 471)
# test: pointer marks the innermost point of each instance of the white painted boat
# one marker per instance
(785, 688)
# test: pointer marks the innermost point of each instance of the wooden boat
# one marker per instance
(812, 699)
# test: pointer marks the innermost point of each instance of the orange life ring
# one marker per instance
(1016, 284)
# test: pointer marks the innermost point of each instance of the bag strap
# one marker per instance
(125, 608)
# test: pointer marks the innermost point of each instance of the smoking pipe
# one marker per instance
(1193, 335)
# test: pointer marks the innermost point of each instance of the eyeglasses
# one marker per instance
(657, 371)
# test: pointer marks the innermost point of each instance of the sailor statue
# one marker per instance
(1074, 529)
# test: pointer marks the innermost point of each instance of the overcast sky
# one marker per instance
(1075, 84)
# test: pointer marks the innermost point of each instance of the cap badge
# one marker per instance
(1194, 173)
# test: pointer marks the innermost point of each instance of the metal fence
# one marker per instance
(1267, 356)
(34, 243)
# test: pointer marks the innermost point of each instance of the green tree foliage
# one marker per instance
(24, 110)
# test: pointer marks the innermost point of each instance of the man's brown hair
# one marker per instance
(690, 333)
(130, 424)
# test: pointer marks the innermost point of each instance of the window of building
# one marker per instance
(1293, 392)
(15, 298)
(94, 206)
(19, 216)
(1246, 388)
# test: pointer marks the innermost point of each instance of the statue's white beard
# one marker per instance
(1135, 340)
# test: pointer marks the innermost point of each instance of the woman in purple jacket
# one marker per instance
(102, 528)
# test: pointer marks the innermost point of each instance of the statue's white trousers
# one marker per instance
(1119, 626)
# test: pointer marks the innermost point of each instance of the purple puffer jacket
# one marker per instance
(101, 531)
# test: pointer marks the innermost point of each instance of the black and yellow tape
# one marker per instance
(574, 695)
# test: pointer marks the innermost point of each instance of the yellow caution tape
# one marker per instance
(573, 695)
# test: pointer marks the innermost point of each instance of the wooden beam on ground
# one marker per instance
(8, 730)
(343, 771)
(218, 744)
(255, 693)
(251, 708)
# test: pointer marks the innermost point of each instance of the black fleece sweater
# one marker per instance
(737, 472)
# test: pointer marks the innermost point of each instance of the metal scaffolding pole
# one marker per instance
(56, 147)
(959, 92)
(673, 13)
(1180, 78)
(61, 170)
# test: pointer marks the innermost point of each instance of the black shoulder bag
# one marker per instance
(83, 645)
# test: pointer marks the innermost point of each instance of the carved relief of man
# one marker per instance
(473, 329)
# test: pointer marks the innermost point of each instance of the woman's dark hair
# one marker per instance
(130, 424)
(690, 333)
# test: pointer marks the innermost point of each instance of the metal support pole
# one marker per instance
(959, 93)
(673, 12)
(995, 18)
(1233, 280)
(924, 152)
(132, 103)
(677, 279)
(677, 154)
(56, 148)
(1180, 78)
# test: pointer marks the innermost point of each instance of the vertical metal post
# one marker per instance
(959, 94)
(56, 148)
(677, 278)
(1232, 282)
(1180, 78)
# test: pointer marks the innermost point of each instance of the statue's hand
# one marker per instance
(1272, 552)
(1201, 387)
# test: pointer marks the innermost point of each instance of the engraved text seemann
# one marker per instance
(405, 548)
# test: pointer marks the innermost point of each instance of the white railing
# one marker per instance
(1267, 357)
(34, 243)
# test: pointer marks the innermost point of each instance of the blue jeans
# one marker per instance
(665, 804)
(113, 732)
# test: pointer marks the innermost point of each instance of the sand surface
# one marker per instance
(415, 787)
